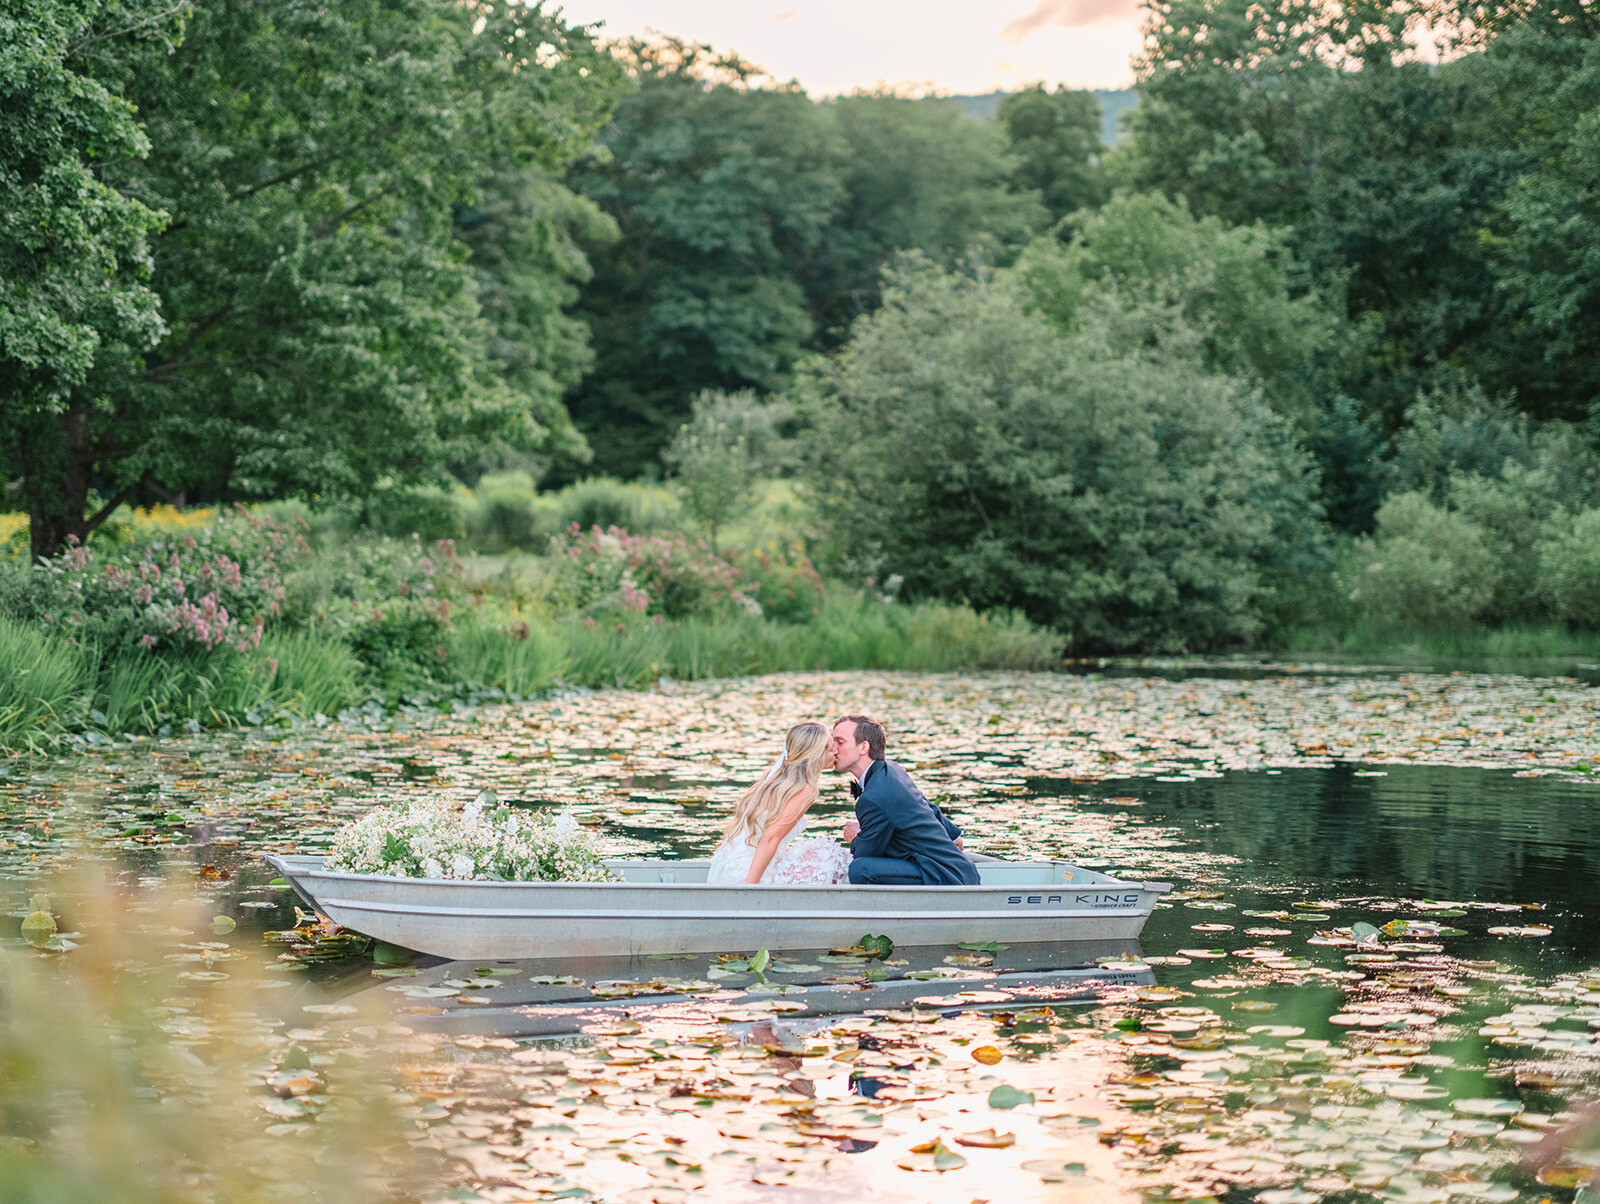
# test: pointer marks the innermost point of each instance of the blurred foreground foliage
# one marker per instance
(143, 1058)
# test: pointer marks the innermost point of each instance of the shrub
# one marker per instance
(507, 512)
(430, 514)
(1569, 568)
(1425, 566)
(598, 573)
(404, 644)
(782, 579)
(1511, 510)
(349, 581)
(1101, 480)
(719, 456)
(214, 588)
(1461, 432)
(605, 503)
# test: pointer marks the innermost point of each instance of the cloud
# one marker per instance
(787, 14)
(1070, 14)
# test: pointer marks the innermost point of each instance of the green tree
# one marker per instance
(76, 307)
(718, 189)
(1407, 180)
(719, 457)
(917, 175)
(323, 330)
(1227, 89)
(1122, 492)
(526, 231)
(1536, 88)
(1054, 138)
(1236, 285)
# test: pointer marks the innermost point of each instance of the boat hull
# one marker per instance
(661, 908)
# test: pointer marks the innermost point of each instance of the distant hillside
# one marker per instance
(1113, 104)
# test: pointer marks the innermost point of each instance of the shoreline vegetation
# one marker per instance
(172, 621)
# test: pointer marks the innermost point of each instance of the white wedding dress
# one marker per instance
(817, 861)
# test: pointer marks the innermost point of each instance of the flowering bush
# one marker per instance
(484, 841)
(783, 579)
(13, 535)
(216, 587)
(604, 572)
(356, 582)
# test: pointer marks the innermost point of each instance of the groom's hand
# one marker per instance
(852, 829)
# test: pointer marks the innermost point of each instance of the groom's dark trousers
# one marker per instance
(904, 840)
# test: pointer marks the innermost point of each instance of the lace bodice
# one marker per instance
(797, 862)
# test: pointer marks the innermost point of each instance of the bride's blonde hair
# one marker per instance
(804, 750)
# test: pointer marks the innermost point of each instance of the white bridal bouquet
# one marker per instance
(485, 841)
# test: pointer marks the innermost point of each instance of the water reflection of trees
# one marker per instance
(1435, 831)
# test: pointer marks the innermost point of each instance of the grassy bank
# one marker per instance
(183, 620)
(52, 690)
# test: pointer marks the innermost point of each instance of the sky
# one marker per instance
(941, 46)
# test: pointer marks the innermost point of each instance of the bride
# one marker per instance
(761, 843)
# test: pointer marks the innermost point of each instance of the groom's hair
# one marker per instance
(870, 730)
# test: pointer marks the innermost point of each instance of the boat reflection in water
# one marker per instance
(544, 998)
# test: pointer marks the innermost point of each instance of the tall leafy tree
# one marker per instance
(718, 189)
(1538, 88)
(1054, 137)
(1113, 487)
(76, 308)
(1434, 196)
(1406, 183)
(1226, 93)
(323, 331)
(917, 175)
(526, 231)
(719, 457)
(1237, 287)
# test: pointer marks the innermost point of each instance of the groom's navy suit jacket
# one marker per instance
(897, 820)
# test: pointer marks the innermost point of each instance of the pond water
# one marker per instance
(1378, 977)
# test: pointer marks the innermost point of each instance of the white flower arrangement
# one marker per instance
(483, 841)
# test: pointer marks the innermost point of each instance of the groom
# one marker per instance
(898, 837)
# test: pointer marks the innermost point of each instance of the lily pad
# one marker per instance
(1006, 1097)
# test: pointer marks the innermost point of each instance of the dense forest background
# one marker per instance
(1314, 340)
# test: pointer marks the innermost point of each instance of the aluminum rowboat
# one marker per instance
(667, 907)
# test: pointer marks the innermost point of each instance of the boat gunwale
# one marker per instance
(286, 862)
(786, 915)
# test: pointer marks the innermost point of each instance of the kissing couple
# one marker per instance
(897, 838)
